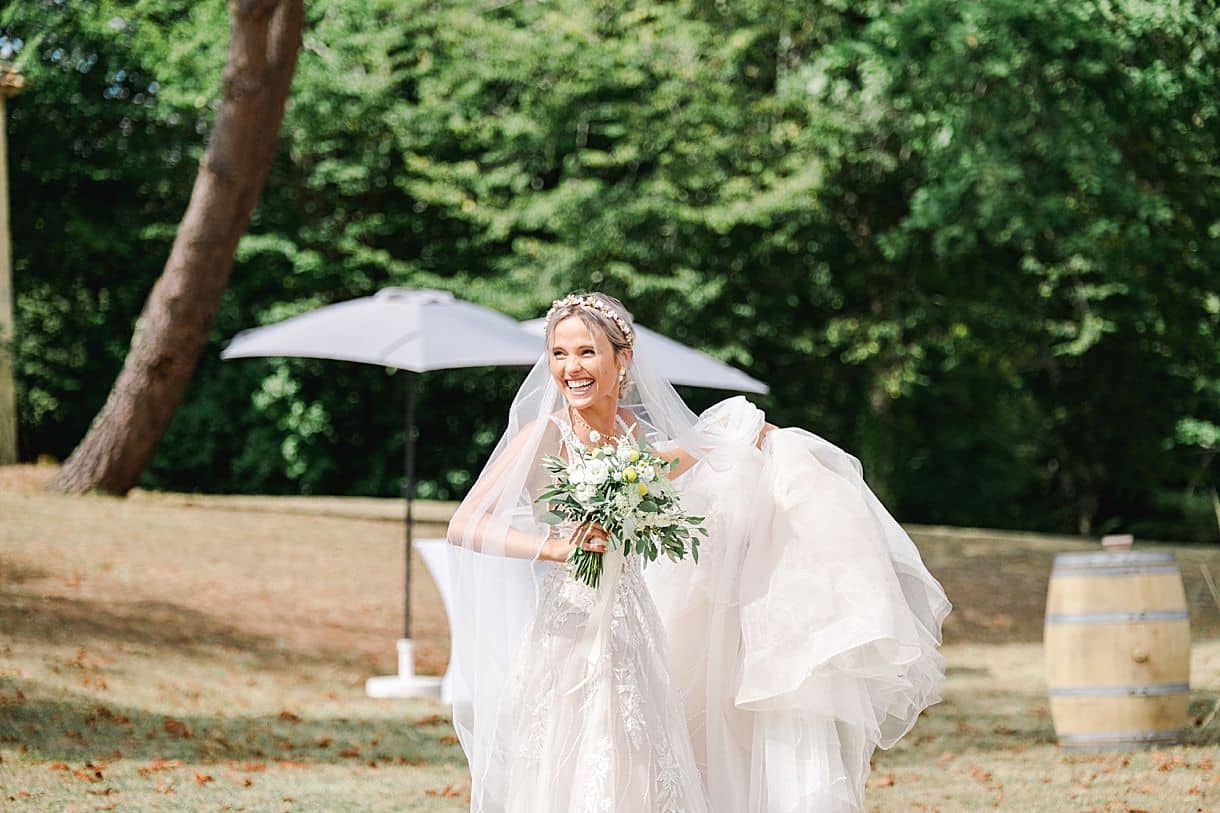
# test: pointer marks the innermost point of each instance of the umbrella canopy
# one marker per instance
(417, 330)
(410, 329)
(681, 364)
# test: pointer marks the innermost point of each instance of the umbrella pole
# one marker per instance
(408, 491)
(406, 683)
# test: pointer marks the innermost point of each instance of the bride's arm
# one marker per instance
(767, 429)
(476, 526)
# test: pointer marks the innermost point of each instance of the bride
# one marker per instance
(760, 680)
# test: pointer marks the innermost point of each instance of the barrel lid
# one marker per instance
(1108, 559)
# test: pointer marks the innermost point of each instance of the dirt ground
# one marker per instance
(186, 652)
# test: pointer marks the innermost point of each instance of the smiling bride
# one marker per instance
(758, 678)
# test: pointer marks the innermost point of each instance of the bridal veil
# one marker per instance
(807, 636)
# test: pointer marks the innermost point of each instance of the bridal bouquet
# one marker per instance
(623, 489)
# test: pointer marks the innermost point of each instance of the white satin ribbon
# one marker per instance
(592, 644)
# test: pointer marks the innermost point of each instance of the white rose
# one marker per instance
(596, 472)
(585, 494)
(648, 474)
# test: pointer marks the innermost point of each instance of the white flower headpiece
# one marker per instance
(592, 303)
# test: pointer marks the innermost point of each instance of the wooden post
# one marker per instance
(11, 82)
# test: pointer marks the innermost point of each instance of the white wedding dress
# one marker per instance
(760, 680)
(596, 726)
(808, 634)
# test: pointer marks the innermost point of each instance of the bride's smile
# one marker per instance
(758, 680)
(588, 369)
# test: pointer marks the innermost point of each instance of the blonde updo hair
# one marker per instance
(600, 312)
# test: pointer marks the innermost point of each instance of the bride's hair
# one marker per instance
(596, 310)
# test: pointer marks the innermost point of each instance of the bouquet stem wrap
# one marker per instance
(593, 642)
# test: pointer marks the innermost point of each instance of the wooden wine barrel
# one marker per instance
(1117, 640)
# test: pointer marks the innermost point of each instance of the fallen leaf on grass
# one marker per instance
(350, 752)
(159, 764)
(447, 792)
(104, 714)
(323, 742)
(58, 766)
(289, 716)
(288, 763)
(177, 728)
(449, 739)
(433, 719)
(203, 778)
(12, 699)
(94, 682)
(882, 781)
(252, 767)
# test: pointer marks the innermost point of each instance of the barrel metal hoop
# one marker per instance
(1118, 618)
(1118, 739)
(1144, 690)
(1112, 559)
(1117, 570)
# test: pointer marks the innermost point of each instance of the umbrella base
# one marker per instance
(406, 683)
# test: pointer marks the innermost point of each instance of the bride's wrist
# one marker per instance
(554, 547)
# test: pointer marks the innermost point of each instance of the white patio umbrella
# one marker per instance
(681, 364)
(416, 330)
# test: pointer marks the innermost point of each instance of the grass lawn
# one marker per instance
(184, 653)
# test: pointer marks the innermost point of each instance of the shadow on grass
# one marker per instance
(12, 572)
(155, 626)
(999, 594)
(1007, 721)
(77, 727)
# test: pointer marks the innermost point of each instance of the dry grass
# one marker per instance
(179, 652)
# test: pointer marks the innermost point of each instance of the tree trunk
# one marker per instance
(265, 36)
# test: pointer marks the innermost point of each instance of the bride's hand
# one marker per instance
(587, 536)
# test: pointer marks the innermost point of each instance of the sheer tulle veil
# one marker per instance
(807, 636)
(496, 538)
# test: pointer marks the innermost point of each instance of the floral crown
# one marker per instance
(592, 303)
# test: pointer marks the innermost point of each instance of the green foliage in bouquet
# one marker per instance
(626, 491)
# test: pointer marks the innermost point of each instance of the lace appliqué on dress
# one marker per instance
(600, 735)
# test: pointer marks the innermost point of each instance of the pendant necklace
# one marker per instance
(594, 435)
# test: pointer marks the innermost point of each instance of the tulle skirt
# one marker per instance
(808, 634)
(596, 731)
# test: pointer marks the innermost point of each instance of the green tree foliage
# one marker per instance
(975, 243)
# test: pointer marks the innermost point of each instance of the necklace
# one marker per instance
(594, 435)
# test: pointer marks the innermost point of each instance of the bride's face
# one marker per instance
(584, 364)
